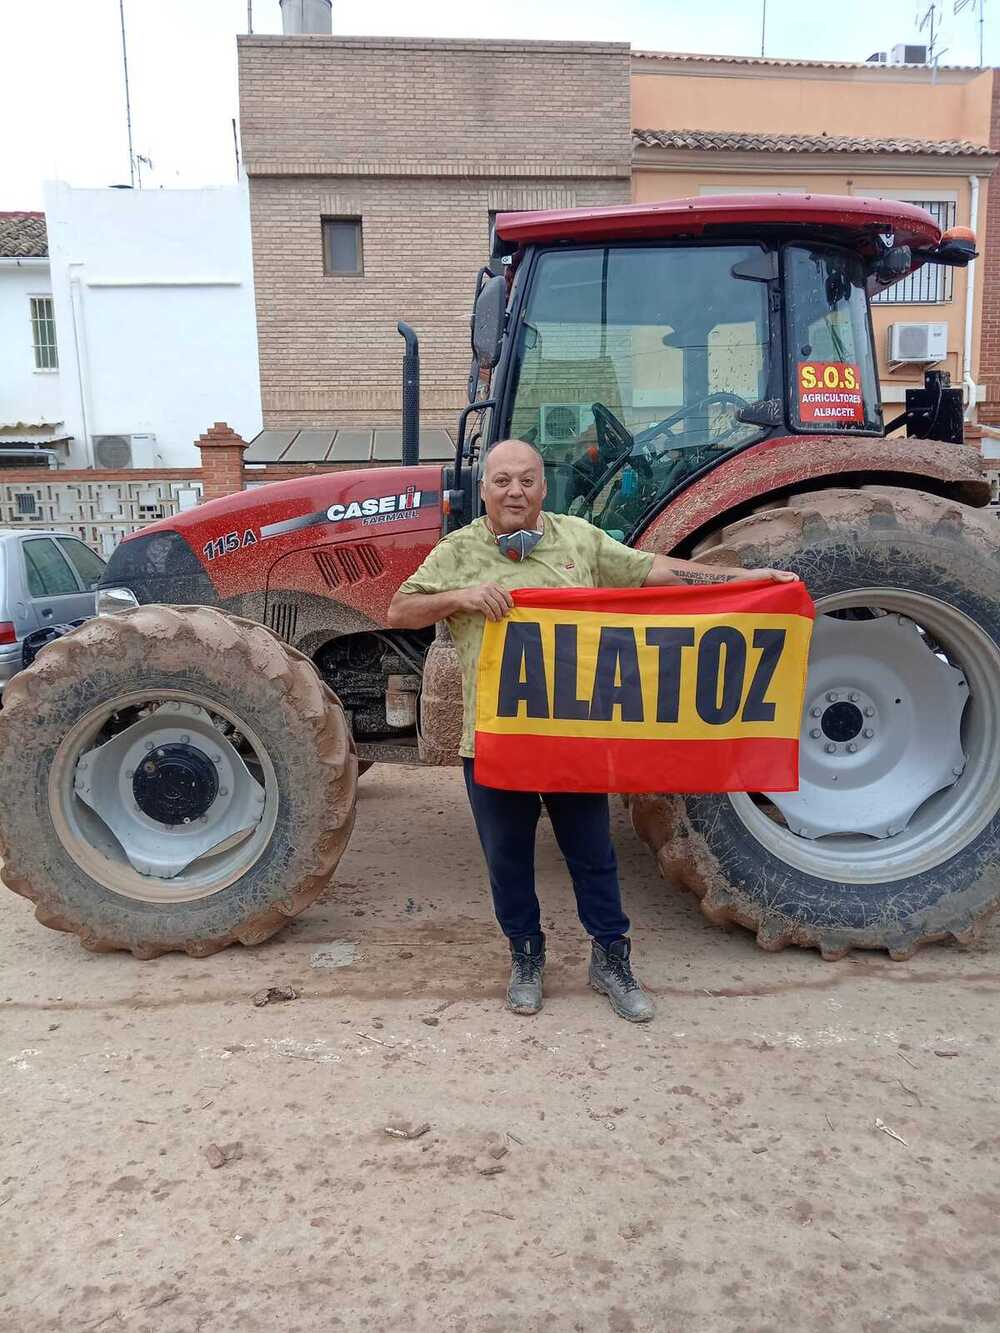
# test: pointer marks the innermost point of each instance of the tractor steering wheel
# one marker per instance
(689, 409)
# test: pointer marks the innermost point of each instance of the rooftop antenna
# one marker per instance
(978, 7)
(128, 102)
(930, 20)
(763, 26)
(249, 18)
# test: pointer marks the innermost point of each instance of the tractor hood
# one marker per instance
(223, 550)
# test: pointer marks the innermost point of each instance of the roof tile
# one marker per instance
(23, 236)
(730, 141)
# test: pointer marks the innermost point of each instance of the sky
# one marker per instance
(64, 93)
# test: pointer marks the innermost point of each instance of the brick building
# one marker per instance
(374, 165)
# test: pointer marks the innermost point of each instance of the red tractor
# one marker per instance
(700, 378)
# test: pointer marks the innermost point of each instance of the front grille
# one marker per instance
(351, 563)
(283, 617)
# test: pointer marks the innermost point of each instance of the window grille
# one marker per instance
(931, 284)
(43, 333)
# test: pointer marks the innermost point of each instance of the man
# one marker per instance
(465, 581)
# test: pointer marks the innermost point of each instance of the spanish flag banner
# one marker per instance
(686, 689)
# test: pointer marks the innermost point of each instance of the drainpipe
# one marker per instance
(970, 302)
(80, 344)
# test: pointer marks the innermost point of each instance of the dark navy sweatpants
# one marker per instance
(506, 823)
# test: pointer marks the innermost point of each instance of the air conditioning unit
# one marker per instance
(918, 342)
(903, 53)
(116, 452)
(562, 423)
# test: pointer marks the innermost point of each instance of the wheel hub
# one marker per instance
(176, 784)
(881, 729)
(170, 788)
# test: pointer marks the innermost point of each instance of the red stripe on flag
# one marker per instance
(746, 596)
(579, 763)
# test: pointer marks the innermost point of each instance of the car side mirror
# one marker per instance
(488, 322)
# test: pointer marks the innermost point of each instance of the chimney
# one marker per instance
(307, 16)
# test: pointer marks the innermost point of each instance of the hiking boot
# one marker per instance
(611, 975)
(527, 956)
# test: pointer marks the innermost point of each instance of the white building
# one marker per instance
(31, 411)
(148, 296)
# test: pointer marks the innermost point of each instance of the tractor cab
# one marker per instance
(638, 347)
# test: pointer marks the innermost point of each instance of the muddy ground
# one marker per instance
(721, 1169)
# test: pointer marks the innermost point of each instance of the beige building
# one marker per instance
(717, 125)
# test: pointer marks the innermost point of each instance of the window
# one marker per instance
(48, 573)
(342, 254)
(831, 371)
(43, 333)
(88, 566)
(932, 283)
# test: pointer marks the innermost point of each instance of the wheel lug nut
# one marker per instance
(185, 739)
(186, 819)
(216, 758)
(149, 745)
(831, 697)
(958, 771)
(815, 733)
(830, 748)
(815, 712)
(853, 696)
(852, 748)
(869, 711)
(868, 733)
(223, 791)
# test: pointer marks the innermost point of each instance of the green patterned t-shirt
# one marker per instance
(571, 554)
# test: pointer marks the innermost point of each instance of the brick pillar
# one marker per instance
(221, 461)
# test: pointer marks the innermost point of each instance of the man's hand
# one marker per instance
(485, 599)
(772, 575)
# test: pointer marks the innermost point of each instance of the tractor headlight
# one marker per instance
(110, 600)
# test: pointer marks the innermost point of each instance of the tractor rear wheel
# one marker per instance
(893, 837)
(175, 778)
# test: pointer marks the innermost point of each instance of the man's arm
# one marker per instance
(417, 610)
(668, 569)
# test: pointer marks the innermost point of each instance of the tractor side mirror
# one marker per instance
(488, 321)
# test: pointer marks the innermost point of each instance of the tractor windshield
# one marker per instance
(633, 367)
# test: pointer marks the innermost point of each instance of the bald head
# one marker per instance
(513, 453)
(513, 486)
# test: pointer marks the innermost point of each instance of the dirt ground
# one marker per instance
(792, 1145)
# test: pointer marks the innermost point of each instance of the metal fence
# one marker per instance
(99, 512)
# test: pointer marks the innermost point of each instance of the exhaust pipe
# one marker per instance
(411, 396)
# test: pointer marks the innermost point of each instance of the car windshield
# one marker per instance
(632, 368)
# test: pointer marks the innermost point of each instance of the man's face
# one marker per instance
(513, 487)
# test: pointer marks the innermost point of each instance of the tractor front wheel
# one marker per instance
(175, 779)
(893, 836)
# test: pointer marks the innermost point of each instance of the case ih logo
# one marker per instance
(376, 509)
(383, 509)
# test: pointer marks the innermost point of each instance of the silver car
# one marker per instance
(46, 578)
